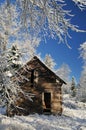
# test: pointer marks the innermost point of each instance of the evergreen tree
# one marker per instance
(64, 72)
(49, 61)
(81, 92)
(14, 57)
(9, 88)
(73, 87)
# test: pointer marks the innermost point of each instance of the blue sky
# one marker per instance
(60, 52)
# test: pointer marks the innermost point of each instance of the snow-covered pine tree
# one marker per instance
(14, 57)
(10, 31)
(64, 72)
(49, 61)
(9, 83)
(73, 87)
(7, 87)
(10, 89)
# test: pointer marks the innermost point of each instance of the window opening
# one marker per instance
(32, 77)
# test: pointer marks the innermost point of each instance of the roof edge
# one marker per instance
(35, 57)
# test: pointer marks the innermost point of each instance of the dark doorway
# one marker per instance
(47, 101)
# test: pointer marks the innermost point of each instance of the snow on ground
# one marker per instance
(73, 118)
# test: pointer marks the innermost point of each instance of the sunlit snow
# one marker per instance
(73, 118)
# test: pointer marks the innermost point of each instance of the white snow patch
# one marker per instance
(73, 118)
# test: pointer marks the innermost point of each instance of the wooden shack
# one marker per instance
(46, 87)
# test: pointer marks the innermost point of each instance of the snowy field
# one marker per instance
(73, 118)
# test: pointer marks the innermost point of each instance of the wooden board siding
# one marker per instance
(41, 81)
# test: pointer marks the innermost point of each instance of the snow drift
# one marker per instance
(73, 118)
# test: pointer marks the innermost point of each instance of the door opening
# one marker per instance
(47, 102)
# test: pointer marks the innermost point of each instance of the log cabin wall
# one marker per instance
(45, 86)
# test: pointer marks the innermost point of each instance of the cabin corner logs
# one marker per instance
(46, 87)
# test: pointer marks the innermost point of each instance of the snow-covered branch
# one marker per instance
(45, 18)
(9, 83)
(80, 3)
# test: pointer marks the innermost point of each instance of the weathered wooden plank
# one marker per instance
(42, 81)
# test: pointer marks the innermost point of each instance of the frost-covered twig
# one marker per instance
(81, 4)
(46, 18)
